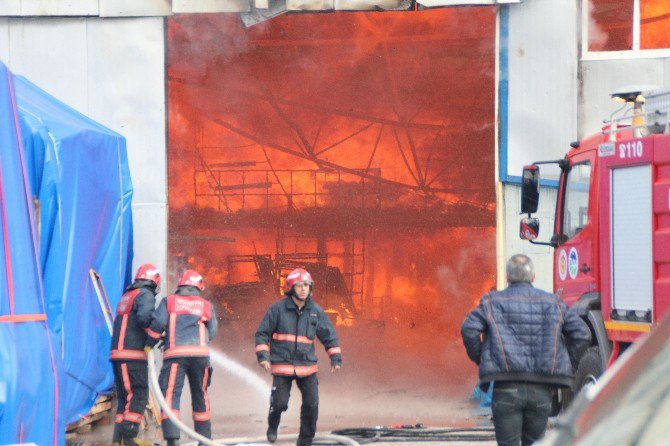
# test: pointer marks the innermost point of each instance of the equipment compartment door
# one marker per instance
(627, 251)
(631, 238)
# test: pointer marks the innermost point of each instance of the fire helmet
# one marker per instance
(296, 276)
(193, 278)
(149, 272)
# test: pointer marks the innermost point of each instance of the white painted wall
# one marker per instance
(603, 77)
(112, 70)
(543, 87)
(554, 99)
(542, 117)
(48, 7)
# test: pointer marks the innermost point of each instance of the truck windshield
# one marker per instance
(576, 203)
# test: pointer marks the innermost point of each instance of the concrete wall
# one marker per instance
(112, 70)
(543, 89)
(542, 117)
(555, 98)
(600, 78)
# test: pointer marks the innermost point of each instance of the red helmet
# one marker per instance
(296, 276)
(149, 272)
(193, 278)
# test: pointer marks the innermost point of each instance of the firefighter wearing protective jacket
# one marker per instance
(131, 327)
(285, 347)
(189, 324)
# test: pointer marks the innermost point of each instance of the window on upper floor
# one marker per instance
(626, 25)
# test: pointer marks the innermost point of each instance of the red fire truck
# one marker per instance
(611, 234)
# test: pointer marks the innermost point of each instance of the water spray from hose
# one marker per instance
(241, 372)
(249, 377)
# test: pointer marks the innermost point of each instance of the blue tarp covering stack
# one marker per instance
(65, 195)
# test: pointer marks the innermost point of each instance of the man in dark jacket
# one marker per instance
(527, 341)
(131, 326)
(285, 347)
(189, 323)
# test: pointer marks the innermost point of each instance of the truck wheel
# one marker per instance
(589, 369)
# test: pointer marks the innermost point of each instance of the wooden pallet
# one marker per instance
(101, 408)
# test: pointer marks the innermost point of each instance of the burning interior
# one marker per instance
(357, 145)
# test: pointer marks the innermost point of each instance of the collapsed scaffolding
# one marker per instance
(320, 218)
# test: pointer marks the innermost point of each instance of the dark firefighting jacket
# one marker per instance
(131, 325)
(286, 337)
(525, 334)
(188, 322)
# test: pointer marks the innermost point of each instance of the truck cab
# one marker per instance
(611, 233)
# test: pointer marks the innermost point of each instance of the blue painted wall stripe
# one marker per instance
(503, 105)
(503, 92)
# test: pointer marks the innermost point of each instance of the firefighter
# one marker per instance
(189, 323)
(285, 347)
(129, 360)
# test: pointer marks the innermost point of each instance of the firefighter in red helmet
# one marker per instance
(189, 323)
(285, 347)
(129, 360)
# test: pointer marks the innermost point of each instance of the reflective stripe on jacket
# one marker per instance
(131, 324)
(286, 337)
(188, 322)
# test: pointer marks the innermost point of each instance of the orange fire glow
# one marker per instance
(655, 24)
(358, 145)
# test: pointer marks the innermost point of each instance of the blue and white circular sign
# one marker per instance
(573, 263)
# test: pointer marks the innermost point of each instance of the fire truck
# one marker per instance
(611, 233)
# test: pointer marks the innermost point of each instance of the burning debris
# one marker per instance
(341, 145)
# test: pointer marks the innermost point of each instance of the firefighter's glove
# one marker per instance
(335, 368)
(147, 349)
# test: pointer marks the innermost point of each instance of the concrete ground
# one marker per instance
(239, 412)
(378, 386)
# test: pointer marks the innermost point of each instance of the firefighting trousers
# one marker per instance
(309, 411)
(131, 380)
(171, 380)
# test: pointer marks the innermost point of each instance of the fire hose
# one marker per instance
(417, 433)
(158, 395)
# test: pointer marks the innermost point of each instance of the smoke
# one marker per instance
(353, 91)
(598, 37)
(306, 103)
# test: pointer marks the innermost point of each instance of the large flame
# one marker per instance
(358, 145)
(611, 25)
(655, 24)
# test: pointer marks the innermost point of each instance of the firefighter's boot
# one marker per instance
(271, 434)
(172, 442)
(130, 441)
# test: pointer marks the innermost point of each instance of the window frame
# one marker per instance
(634, 53)
(565, 197)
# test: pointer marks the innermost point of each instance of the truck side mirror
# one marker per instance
(529, 228)
(530, 189)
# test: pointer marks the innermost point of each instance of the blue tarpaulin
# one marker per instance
(66, 192)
